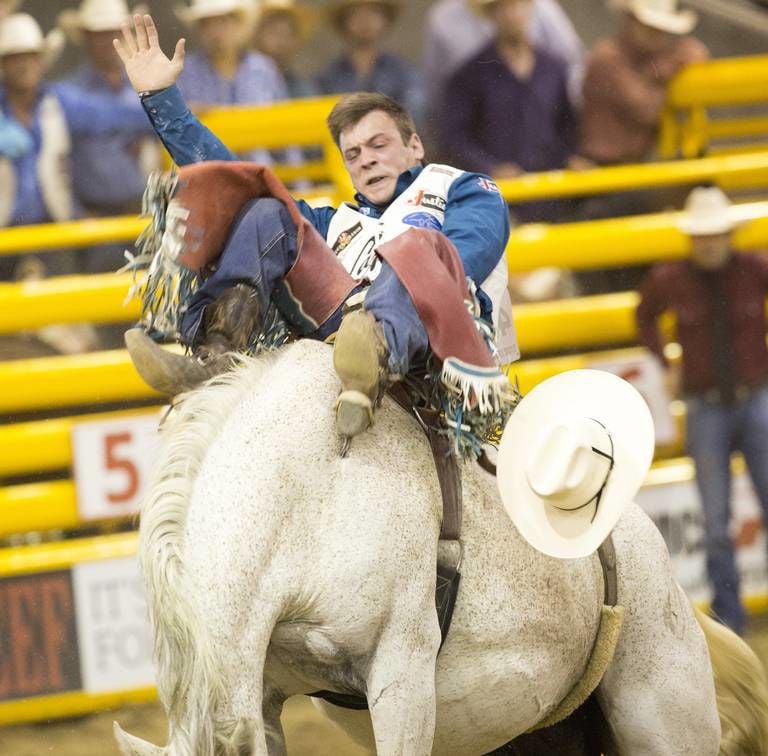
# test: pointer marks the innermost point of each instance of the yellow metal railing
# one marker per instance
(596, 244)
(688, 125)
(729, 171)
(43, 446)
(84, 380)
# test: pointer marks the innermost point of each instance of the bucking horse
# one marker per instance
(276, 567)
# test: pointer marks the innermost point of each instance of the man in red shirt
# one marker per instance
(626, 80)
(718, 298)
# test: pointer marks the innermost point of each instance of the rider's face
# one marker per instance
(375, 155)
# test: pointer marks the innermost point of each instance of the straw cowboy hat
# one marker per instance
(96, 16)
(338, 9)
(20, 33)
(575, 451)
(708, 212)
(664, 15)
(301, 15)
(200, 9)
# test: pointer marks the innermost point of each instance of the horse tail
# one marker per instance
(189, 677)
(187, 671)
(742, 690)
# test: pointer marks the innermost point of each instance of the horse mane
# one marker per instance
(188, 674)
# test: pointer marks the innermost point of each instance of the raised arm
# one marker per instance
(153, 75)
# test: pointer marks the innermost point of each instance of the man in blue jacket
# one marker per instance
(395, 195)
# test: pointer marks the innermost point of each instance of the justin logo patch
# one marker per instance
(430, 201)
(346, 237)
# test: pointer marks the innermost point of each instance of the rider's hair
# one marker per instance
(352, 108)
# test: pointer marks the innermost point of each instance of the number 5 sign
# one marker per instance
(112, 462)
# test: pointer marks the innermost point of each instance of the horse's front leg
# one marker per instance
(401, 683)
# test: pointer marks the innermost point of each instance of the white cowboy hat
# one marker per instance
(200, 9)
(96, 16)
(664, 15)
(574, 452)
(20, 33)
(337, 9)
(301, 15)
(708, 212)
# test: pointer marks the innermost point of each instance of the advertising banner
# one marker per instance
(112, 464)
(114, 637)
(675, 509)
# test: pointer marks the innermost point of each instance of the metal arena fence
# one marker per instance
(91, 464)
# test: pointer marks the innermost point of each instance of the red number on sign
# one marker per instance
(114, 462)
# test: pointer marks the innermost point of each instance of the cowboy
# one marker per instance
(283, 29)
(627, 76)
(14, 139)
(226, 72)
(109, 171)
(36, 186)
(401, 231)
(365, 65)
(718, 297)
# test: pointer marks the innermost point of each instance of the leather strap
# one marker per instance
(607, 554)
(446, 464)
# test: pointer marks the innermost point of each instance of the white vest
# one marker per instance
(354, 236)
(52, 166)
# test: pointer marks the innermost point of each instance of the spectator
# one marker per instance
(627, 76)
(14, 140)
(455, 34)
(506, 111)
(365, 66)
(36, 187)
(719, 300)
(109, 173)
(283, 28)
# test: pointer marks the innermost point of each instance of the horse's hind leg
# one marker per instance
(658, 695)
(401, 684)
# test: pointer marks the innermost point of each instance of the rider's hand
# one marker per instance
(147, 66)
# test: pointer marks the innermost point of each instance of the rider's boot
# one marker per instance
(360, 356)
(229, 323)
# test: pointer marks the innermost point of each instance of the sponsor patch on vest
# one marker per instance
(430, 201)
(423, 220)
(345, 238)
(488, 185)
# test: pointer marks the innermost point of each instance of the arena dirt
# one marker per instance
(308, 733)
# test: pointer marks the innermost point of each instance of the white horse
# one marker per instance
(274, 567)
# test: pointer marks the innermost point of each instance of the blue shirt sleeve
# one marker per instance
(477, 222)
(185, 138)
(94, 113)
(188, 141)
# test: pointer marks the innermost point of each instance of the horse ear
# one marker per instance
(132, 746)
